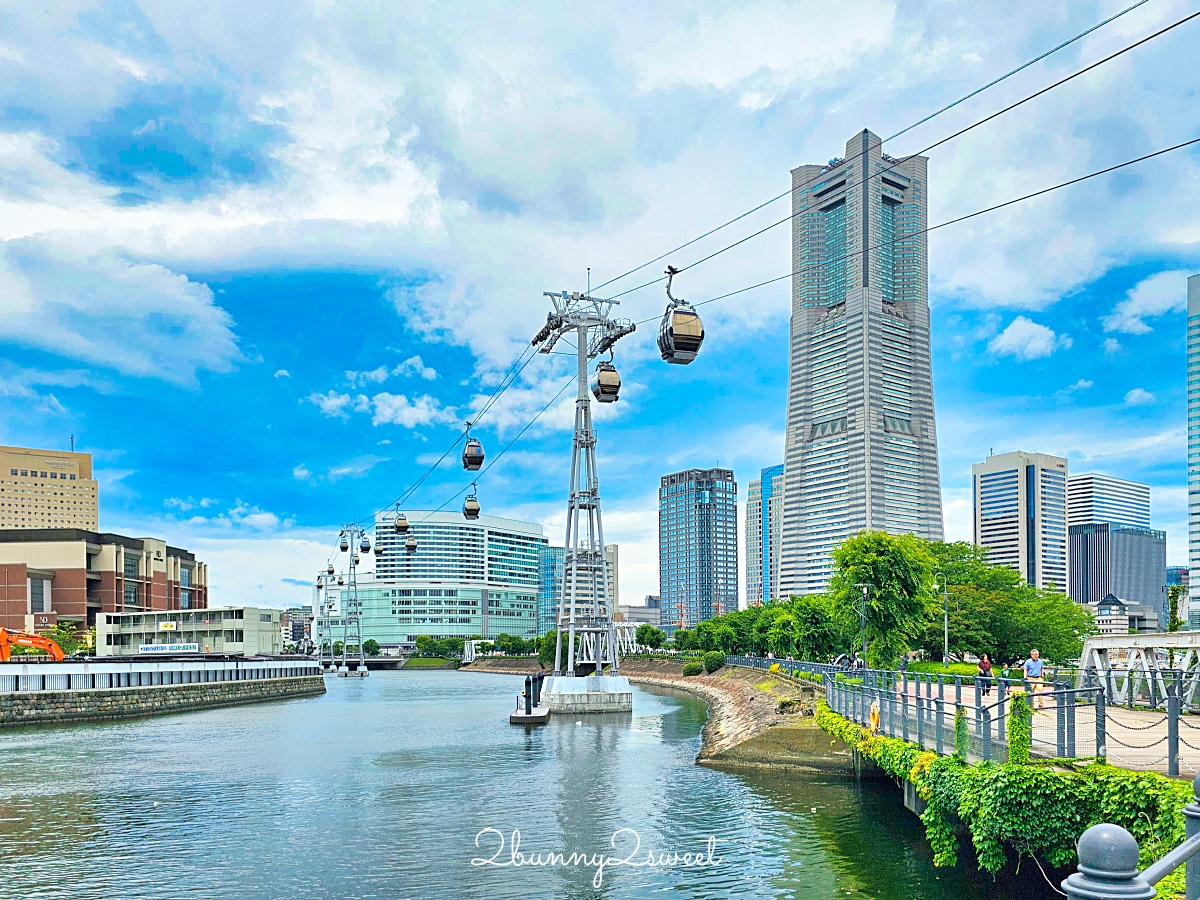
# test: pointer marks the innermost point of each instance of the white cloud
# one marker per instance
(338, 405)
(415, 366)
(1111, 347)
(301, 472)
(183, 505)
(105, 309)
(1081, 385)
(1139, 397)
(1026, 340)
(375, 376)
(397, 409)
(354, 468)
(242, 516)
(283, 373)
(1158, 294)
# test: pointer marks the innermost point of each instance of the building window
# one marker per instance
(39, 595)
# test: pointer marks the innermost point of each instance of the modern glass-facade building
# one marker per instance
(1020, 502)
(861, 444)
(1102, 498)
(550, 573)
(764, 532)
(1193, 395)
(467, 578)
(1126, 561)
(697, 545)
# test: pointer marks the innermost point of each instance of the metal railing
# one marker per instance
(86, 676)
(1108, 858)
(1068, 723)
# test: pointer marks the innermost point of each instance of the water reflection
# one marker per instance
(378, 789)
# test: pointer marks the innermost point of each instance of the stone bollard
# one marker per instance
(1108, 858)
(528, 695)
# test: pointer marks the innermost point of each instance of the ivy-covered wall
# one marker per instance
(1038, 809)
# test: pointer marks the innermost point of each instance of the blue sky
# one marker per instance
(262, 261)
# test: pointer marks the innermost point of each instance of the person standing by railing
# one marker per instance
(985, 673)
(1033, 674)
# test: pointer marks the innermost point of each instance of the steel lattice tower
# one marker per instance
(591, 633)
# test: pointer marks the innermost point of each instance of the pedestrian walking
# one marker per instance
(904, 663)
(985, 673)
(1033, 674)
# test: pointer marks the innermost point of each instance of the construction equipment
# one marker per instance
(10, 639)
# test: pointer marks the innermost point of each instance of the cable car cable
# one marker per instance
(953, 221)
(927, 118)
(932, 146)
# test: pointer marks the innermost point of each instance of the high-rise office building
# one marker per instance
(764, 521)
(861, 445)
(47, 489)
(1102, 498)
(550, 568)
(697, 545)
(1126, 561)
(1193, 468)
(1020, 502)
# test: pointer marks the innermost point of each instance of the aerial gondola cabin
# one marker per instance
(680, 334)
(472, 457)
(471, 507)
(606, 383)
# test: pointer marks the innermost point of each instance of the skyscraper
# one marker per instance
(1020, 502)
(47, 489)
(764, 518)
(697, 545)
(1127, 561)
(861, 445)
(1102, 498)
(1193, 395)
(551, 563)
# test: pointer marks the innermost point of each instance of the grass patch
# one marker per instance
(425, 662)
(937, 668)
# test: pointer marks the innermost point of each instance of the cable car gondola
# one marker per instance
(681, 332)
(341, 581)
(472, 456)
(365, 546)
(411, 544)
(330, 569)
(606, 383)
(344, 545)
(401, 523)
(471, 505)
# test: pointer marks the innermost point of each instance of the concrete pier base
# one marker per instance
(538, 715)
(590, 694)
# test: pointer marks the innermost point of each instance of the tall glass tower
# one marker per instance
(764, 513)
(861, 444)
(697, 545)
(1193, 394)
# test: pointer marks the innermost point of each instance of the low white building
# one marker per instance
(243, 631)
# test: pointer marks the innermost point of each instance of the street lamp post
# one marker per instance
(945, 617)
(863, 619)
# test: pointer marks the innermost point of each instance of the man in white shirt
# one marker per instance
(1033, 674)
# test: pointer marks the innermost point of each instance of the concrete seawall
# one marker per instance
(755, 719)
(61, 707)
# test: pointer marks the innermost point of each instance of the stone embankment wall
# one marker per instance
(59, 707)
(755, 719)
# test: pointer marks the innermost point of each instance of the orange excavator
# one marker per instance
(10, 639)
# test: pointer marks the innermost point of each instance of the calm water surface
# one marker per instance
(379, 788)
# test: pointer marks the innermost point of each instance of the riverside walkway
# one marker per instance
(1151, 731)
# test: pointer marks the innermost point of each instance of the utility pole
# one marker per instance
(939, 575)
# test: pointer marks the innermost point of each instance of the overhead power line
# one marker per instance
(932, 146)
(945, 224)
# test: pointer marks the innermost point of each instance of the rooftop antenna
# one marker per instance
(589, 268)
(72, 443)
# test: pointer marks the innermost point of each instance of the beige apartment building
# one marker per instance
(242, 631)
(47, 489)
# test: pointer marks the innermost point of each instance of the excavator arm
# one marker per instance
(10, 639)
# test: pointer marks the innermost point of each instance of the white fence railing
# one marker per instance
(86, 676)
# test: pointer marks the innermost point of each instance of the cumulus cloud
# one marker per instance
(375, 376)
(354, 468)
(414, 365)
(283, 373)
(1026, 340)
(243, 516)
(337, 405)
(301, 472)
(1139, 397)
(102, 308)
(1111, 346)
(397, 409)
(183, 505)
(1158, 294)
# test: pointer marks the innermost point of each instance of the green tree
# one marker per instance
(371, 647)
(684, 639)
(66, 635)
(649, 636)
(1175, 594)
(546, 648)
(897, 569)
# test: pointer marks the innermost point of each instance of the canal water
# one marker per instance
(401, 785)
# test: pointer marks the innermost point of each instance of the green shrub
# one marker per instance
(1033, 809)
(713, 660)
(693, 668)
(1020, 729)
